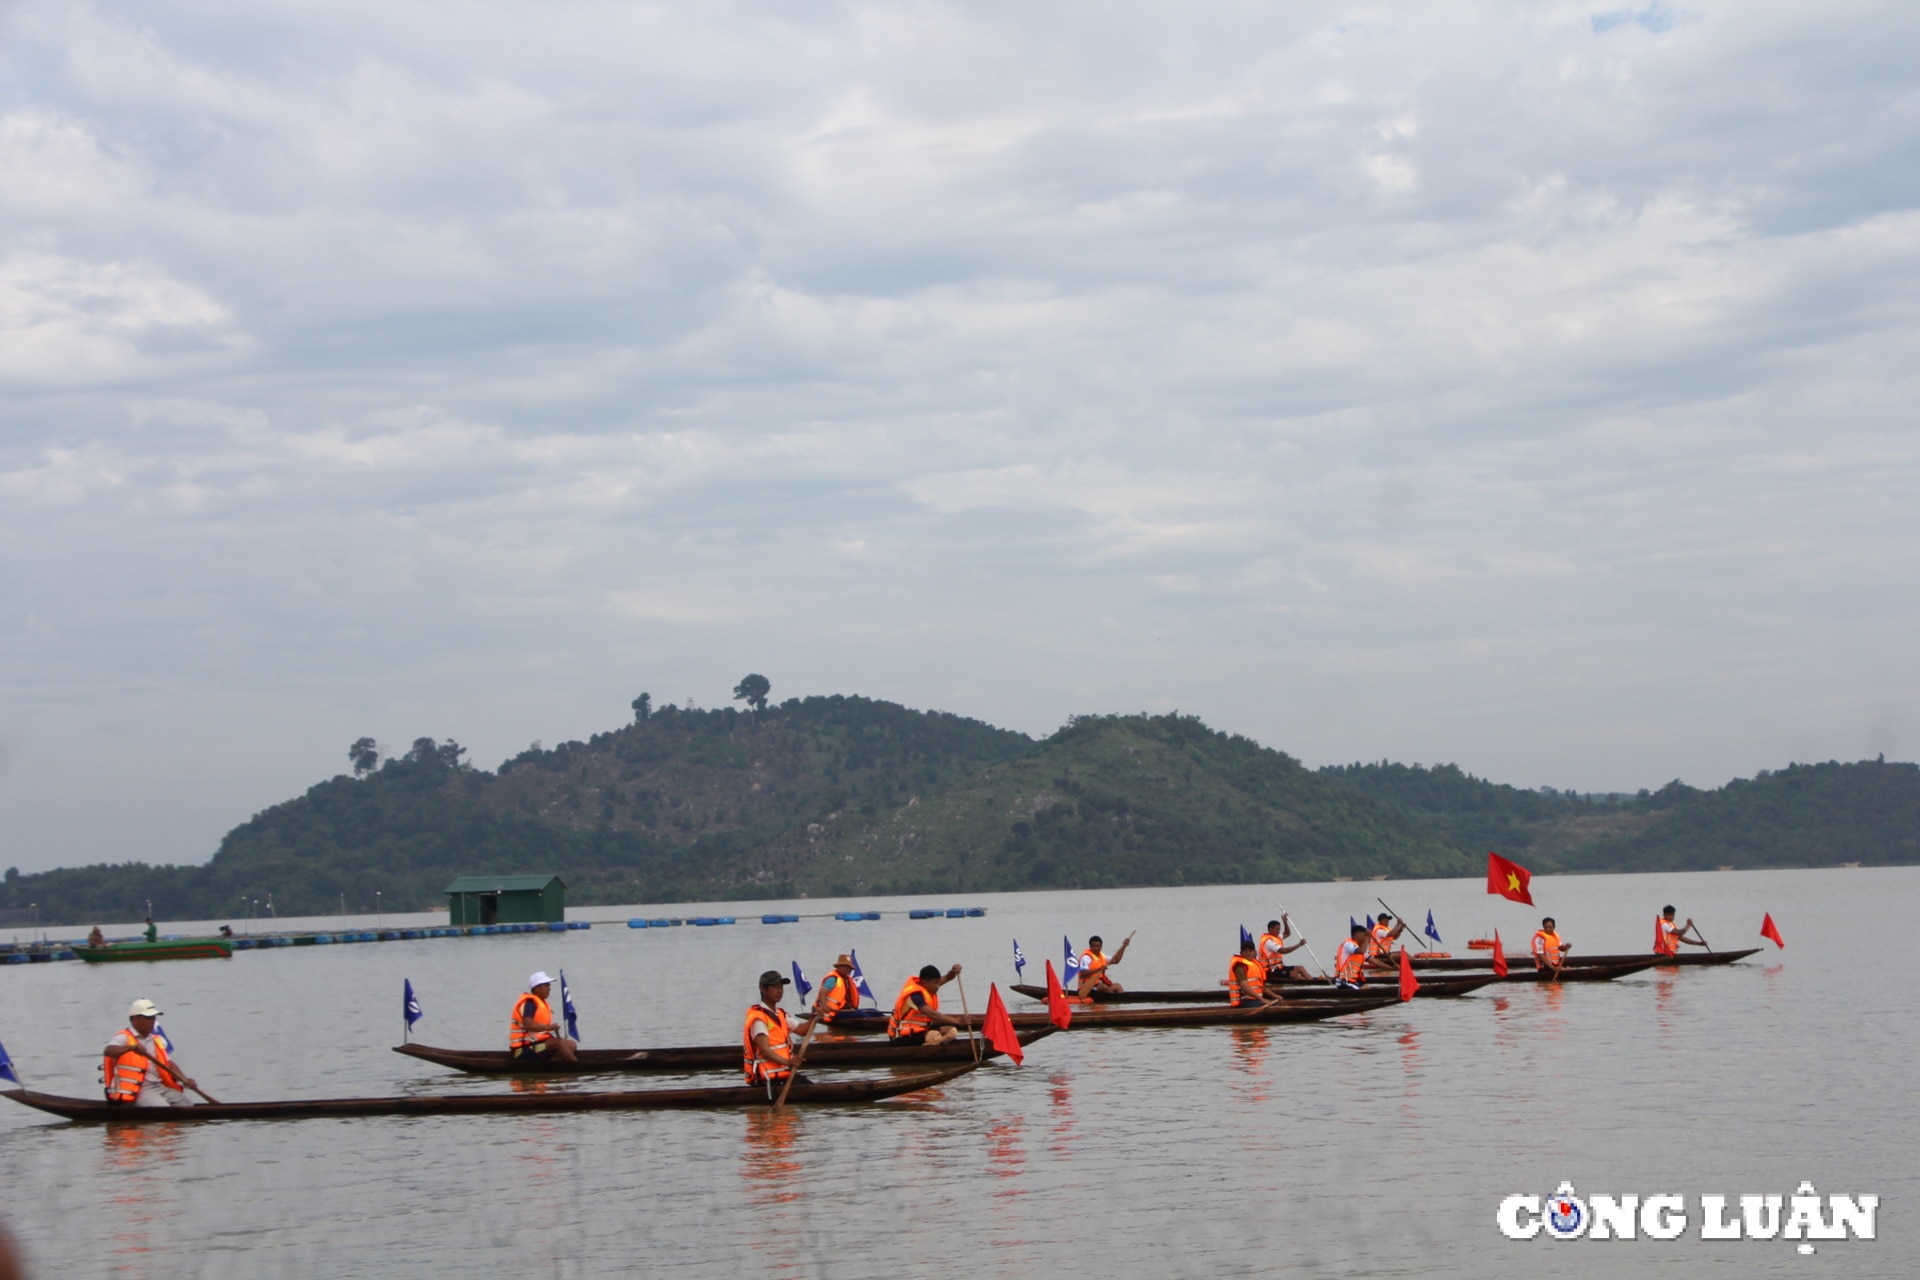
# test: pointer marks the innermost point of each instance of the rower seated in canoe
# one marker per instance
(767, 1036)
(136, 1067)
(916, 1012)
(1549, 949)
(839, 992)
(1380, 941)
(1094, 964)
(1247, 978)
(1273, 951)
(532, 1031)
(1667, 939)
(1350, 961)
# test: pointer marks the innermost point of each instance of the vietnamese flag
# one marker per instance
(1499, 955)
(1057, 1012)
(997, 1028)
(1508, 879)
(1768, 929)
(1408, 983)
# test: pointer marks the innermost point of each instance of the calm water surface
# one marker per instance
(1371, 1146)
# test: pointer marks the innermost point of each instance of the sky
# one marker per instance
(1524, 386)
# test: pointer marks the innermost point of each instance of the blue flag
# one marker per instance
(409, 1005)
(1369, 922)
(1072, 967)
(568, 1011)
(800, 982)
(1431, 932)
(1245, 937)
(1352, 924)
(860, 979)
(6, 1066)
(166, 1040)
(1019, 959)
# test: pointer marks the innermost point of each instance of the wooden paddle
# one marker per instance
(1303, 938)
(793, 1064)
(1702, 937)
(968, 1014)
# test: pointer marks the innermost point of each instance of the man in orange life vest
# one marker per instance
(767, 1037)
(137, 1069)
(916, 1014)
(1380, 942)
(532, 1031)
(838, 991)
(1549, 952)
(1274, 949)
(1247, 978)
(1094, 965)
(1667, 939)
(1350, 961)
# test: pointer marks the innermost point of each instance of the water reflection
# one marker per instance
(1664, 1013)
(141, 1187)
(770, 1167)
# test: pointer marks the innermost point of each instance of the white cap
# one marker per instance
(143, 1009)
(536, 980)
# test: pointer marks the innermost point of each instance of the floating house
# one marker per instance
(506, 900)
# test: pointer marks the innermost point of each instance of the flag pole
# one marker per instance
(962, 983)
(1303, 940)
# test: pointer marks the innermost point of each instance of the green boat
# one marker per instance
(174, 949)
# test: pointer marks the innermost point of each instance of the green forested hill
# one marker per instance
(847, 795)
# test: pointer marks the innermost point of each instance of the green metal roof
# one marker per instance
(487, 884)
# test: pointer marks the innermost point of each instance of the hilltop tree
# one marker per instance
(365, 755)
(753, 691)
(642, 708)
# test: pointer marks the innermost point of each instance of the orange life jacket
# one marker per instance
(836, 993)
(1244, 973)
(124, 1075)
(1663, 938)
(760, 1070)
(518, 1038)
(1546, 947)
(1273, 949)
(1380, 941)
(908, 1018)
(1093, 969)
(1350, 963)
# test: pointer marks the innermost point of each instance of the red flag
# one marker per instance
(1408, 983)
(997, 1028)
(1499, 955)
(1508, 879)
(1768, 929)
(1057, 1012)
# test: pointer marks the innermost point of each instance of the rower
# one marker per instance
(1094, 965)
(1667, 939)
(767, 1036)
(95, 938)
(1549, 952)
(137, 1069)
(1350, 961)
(532, 1034)
(838, 991)
(153, 931)
(916, 1013)
(1380, 941)
(1274, 949)
(1247, 977)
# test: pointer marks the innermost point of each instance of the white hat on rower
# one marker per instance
(144, 1009)
(538, 979)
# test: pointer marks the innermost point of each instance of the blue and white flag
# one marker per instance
(1369, 922)
(860, 979)
(166, 1041)
(1245, 937)
(6, 1066)
(409, 1006)
(1430, 931)
(1071, 970)
(568, 1011)
(800, 982)
(1019, 959)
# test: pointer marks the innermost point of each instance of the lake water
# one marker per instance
(1378, 1145)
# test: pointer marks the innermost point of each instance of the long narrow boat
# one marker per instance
(1085, 1019)
(838, 1094)
(1437, 988)
(1686, 958)
(719, 1057)
(176, 949)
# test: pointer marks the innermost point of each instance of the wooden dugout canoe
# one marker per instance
(178, 949)
(851, 1092)
(1687, 959)
(1086, 1019)
(1435, 988)
(821, 1054)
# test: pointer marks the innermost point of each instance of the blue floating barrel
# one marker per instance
(556, 926)
(661, 924)
(976, 911)
(724, 920)
(848, 915)
(579, 924)
(956, 913)
(703, 921)
(15, 958)
(637, 923)
(921, 913)
(870, 915)
(243, 944)
(322, 939)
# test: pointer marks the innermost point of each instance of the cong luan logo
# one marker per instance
(1804, 1216)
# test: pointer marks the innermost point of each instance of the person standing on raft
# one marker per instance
(532, 1032)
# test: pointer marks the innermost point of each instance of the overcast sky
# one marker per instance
(1529, 386)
